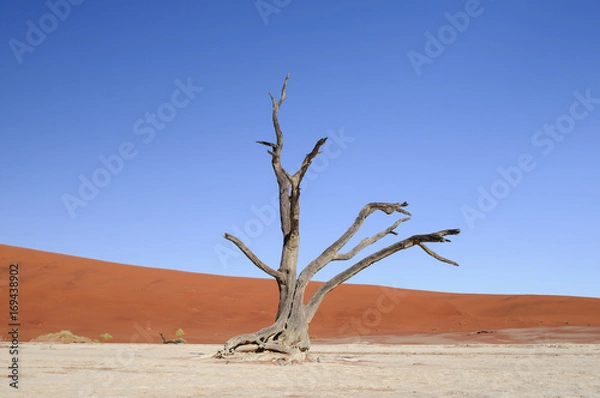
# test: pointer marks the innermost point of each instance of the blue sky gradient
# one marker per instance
(484, 116)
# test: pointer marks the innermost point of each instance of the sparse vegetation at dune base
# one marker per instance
(63, 337)
(179, 340)
(179, 333)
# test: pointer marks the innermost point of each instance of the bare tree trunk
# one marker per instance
(289, 333)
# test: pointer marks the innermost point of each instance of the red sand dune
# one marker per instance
(90, 297)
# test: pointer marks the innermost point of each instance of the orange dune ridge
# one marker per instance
(133, 304)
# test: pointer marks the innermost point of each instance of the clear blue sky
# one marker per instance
(424, 102)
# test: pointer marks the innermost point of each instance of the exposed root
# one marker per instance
(266, 341)
(251, 353)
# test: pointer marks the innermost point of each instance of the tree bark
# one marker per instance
(289, 333)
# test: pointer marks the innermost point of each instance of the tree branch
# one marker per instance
(165, 341)
(308, 160)
(273, 146)
(343, 276)
(435, 255)
(252, 257)
(369, 241)
(276, 105)
(329, 254)
(283, 177)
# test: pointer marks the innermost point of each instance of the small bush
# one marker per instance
(106, 336)
(179, 332)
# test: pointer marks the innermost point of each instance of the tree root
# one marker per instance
(265, 340)
(250, 353)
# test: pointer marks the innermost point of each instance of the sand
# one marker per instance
(389, 342)
(134, 303)
(350, 370)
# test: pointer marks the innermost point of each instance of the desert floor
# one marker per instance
(393, 370)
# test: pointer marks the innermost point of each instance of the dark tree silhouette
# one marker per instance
(289, 333)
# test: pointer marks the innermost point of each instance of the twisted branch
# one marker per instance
(276, 105)
(343, 276)
(282, 176)
(369, 241)
(252, 257)
(308, 160)
(332, 251)
(435, 255)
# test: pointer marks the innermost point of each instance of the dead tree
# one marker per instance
(165, 341)
(289, 333)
